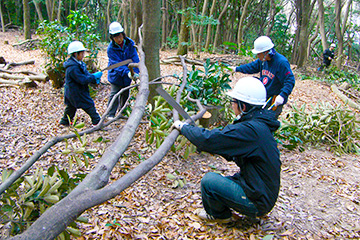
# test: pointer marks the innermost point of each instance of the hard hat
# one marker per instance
(115, 28)
(262, 44)
(76, 46)
(249, 90)
(333, 45)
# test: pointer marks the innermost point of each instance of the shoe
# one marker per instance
(201, 213)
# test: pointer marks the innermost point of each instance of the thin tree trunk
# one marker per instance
(59, 11)
(2, 18)
(133, 28)
(209, 26)
(38, 10)
(240, 29)
(108, 18)
(217, 32)
(138, 20)
(184, 30)
(322, 24)
(165, 22)
(200, 29)
(27, 30)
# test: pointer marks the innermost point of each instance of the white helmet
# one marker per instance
(115, 28)
(76, 46)
(249, 90)
(262, 44)
(333, 45)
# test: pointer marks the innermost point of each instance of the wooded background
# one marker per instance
(300, 29)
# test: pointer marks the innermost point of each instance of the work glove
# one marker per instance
(178, 124)
(97, 76)
(136, 76)
(278, 100)
(233, 69)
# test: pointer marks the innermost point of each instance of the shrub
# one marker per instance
(56, 38)
(336, 127)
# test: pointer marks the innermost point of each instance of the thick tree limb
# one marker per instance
(13, 64)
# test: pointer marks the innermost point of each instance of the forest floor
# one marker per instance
(319, 196)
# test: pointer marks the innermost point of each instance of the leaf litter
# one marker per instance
(319, 196)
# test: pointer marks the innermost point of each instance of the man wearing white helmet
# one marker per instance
(328, 56)
(77, 79)
(120, 48)
(248, 142)
(275, 72)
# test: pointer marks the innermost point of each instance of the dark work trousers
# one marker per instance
(221, 194)
(71, 110)
(119, 101)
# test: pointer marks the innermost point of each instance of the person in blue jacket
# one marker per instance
(275, 73)
(77, 79)
(120, 48)
(250, 143)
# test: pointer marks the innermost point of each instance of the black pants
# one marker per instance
(71, 110)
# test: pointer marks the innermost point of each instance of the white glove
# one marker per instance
(129, 75)
(233, 69)
(279, 100)
(178, 124)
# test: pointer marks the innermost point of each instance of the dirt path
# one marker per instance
(319, 196)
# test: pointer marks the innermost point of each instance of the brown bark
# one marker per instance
(27, 30)
(241, 28)
(217, 32)
(209, 26)
(184, 30)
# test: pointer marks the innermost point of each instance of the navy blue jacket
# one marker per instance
(119, 76)
(275, 74)
(249, 142)
(77, 79)
(328, 53)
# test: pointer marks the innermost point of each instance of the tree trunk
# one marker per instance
(240, 29)
(304, 10)
(184, 30)
(108, 18)
(340, 32)
(138, 20)
(165, 23)
(152, 23)
(322, 24)
(209, 26)
(2, 18)
(27, 30)
(59, 11)
(38, 10)
(217, 32)
(133, 28)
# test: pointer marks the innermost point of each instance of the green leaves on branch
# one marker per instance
(336, 127)
(197, 19)
(209, 85)
(29, 197)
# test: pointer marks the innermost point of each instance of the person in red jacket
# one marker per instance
(275, 73)
(249, 142)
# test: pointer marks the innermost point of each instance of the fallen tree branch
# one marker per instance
(344, 98)
(24, 82)
(13, 64)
